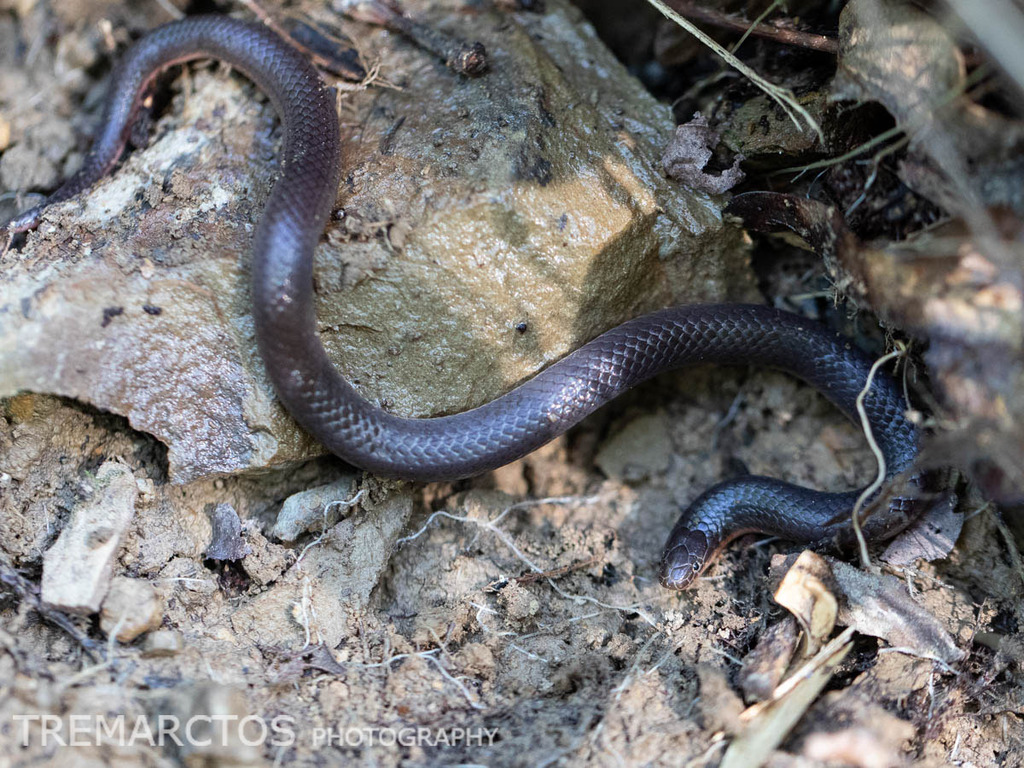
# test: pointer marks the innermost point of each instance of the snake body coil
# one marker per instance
(516, 423)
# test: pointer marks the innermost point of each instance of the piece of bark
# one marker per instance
(765, 665)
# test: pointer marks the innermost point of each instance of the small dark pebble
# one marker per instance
(149, 309)
(109, 313)
(227, 542)
(521, 327)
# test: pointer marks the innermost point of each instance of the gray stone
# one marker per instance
(316, 509)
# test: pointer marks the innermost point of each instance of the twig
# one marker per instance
(828, 162)
(308, 612)
(454, 681)
(770, 31)
(485, 524)
(489, 524)
(465, 58)
(755, 24)
(634, 667)
(725, 421)
(907, 127)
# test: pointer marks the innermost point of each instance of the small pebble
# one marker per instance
(131, 608)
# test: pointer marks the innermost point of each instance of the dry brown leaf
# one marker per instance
(804, 592)
(880, 606)
(931, 537)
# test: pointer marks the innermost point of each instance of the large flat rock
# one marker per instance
(485, 228)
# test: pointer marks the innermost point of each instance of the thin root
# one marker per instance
(879, 480)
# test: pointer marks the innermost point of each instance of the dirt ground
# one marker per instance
(514, 619)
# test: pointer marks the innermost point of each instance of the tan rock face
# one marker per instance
(486, 228)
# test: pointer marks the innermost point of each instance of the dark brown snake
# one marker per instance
(544, 407)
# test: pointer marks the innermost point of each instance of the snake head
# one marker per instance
(23, 222)
(684, 559)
